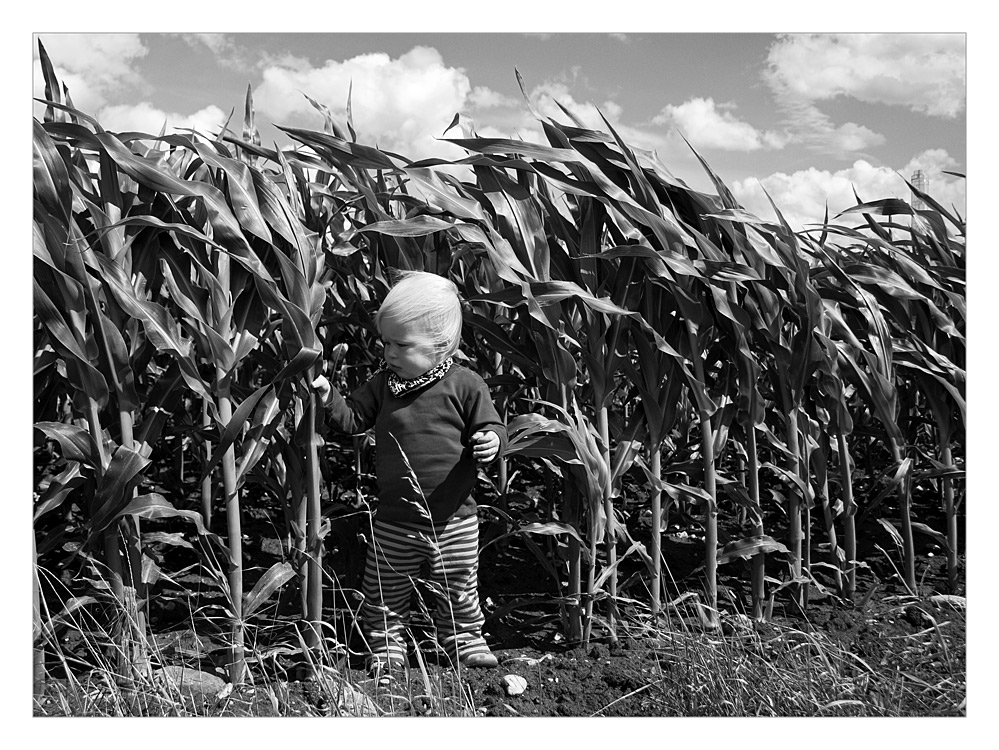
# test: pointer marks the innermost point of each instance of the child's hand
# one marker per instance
(485, 446)
(323, 388)
(336, 357)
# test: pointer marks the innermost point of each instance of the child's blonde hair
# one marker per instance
(428, 302)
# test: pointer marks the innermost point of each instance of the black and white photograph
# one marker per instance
(524, 373)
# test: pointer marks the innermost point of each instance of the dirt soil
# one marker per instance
(613, 678)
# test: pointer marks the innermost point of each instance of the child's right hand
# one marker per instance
(322, 387)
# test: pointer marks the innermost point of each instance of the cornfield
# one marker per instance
(765, 389)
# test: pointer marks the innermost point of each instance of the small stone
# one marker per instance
(192, 682)
(514, 684)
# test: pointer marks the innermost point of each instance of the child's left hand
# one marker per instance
(485, 446)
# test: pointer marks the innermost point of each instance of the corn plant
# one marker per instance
(220, 302)
(94, 354)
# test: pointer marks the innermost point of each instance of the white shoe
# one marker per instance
(480, 660)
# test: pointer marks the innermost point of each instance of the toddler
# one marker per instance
(434, 422)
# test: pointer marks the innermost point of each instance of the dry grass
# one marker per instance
(745, 669)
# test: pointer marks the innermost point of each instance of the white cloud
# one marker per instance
(146, 118)
(400, 105)
(853, 137)
(802, 196)
(485, 98)
(217, 43)
(547, 96)
(707, 125)
(94, 67)
(924, 72)
(809, 126)
(228, 53)
(284, 60)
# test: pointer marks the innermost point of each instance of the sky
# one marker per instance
(809, 118)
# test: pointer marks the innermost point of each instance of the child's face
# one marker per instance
(408, 353)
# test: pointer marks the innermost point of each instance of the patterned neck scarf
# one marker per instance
(402, 387)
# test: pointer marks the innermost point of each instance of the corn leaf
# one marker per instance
(232, 429)
(275, 577)
(153, 506)
(750, 547)
(418, 226)
(114, 490)
(87, 378)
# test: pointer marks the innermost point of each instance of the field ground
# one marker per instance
(891, 654)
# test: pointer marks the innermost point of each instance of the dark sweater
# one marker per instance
(429, 430)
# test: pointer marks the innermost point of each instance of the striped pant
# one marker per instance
(446, 557)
